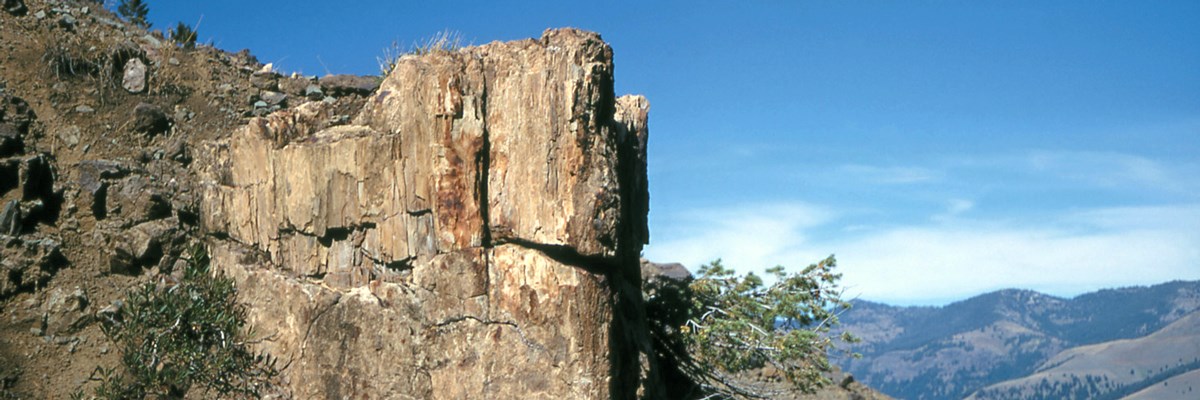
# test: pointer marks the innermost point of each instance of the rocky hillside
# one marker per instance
(470, 229)
(952, 351)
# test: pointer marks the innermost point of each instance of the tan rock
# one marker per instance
(471, 235)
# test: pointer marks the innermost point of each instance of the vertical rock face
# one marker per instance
(473, 234)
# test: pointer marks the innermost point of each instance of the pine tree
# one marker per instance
(135, 11)
(184, 35)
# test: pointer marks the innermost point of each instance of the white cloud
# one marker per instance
(892, 175)
(1106, 170)
(950, 259)
(750, 235)
(1102, 169)
(954, 208)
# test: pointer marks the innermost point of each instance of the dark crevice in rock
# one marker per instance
(188, 217)
(566, 255)
(471, 318)
(482, 164)
(399, 265)
(334, 234)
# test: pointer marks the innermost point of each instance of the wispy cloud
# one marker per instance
(952, 259)
(1105, 169)
(889, 175)
(1086, 169)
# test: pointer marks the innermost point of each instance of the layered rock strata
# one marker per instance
(473, 233)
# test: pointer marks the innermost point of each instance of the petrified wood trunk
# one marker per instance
(474, 233)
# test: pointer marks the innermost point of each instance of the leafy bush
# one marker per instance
(719, 324)
(174, 335)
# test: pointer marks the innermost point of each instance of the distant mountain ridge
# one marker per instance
(1114, 369)
(950, 352)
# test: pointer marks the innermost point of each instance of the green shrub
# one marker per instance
(176, 335)
(710, 328)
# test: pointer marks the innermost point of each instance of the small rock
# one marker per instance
(109, 22)
(343, 85)
(313, 92)
(84, 109)
(294, 85)
(91, 173)
(265, 80)
(150, 119)
(36, 331)
(70, 135)
(178, 151)
(152, 41)
(135, 76)
(173, 61)
(140, 245)
(10, 218)
(260, 104)
(40, 15)
(273, 98)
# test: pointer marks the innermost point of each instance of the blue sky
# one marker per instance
(939, 148)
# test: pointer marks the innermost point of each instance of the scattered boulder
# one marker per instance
(10, 218)
(264, 80)
(273, 98)
(134, 79)
(150, 119)
(345, 85)
(140, 246)
(93, 176)
(16, 111)
(92, 173)
(69, 135)
(294, 85)
(65, 312)
(313, 92)
(136, 201)
(27, 263)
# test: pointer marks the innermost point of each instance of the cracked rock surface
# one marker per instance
(473, 233)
